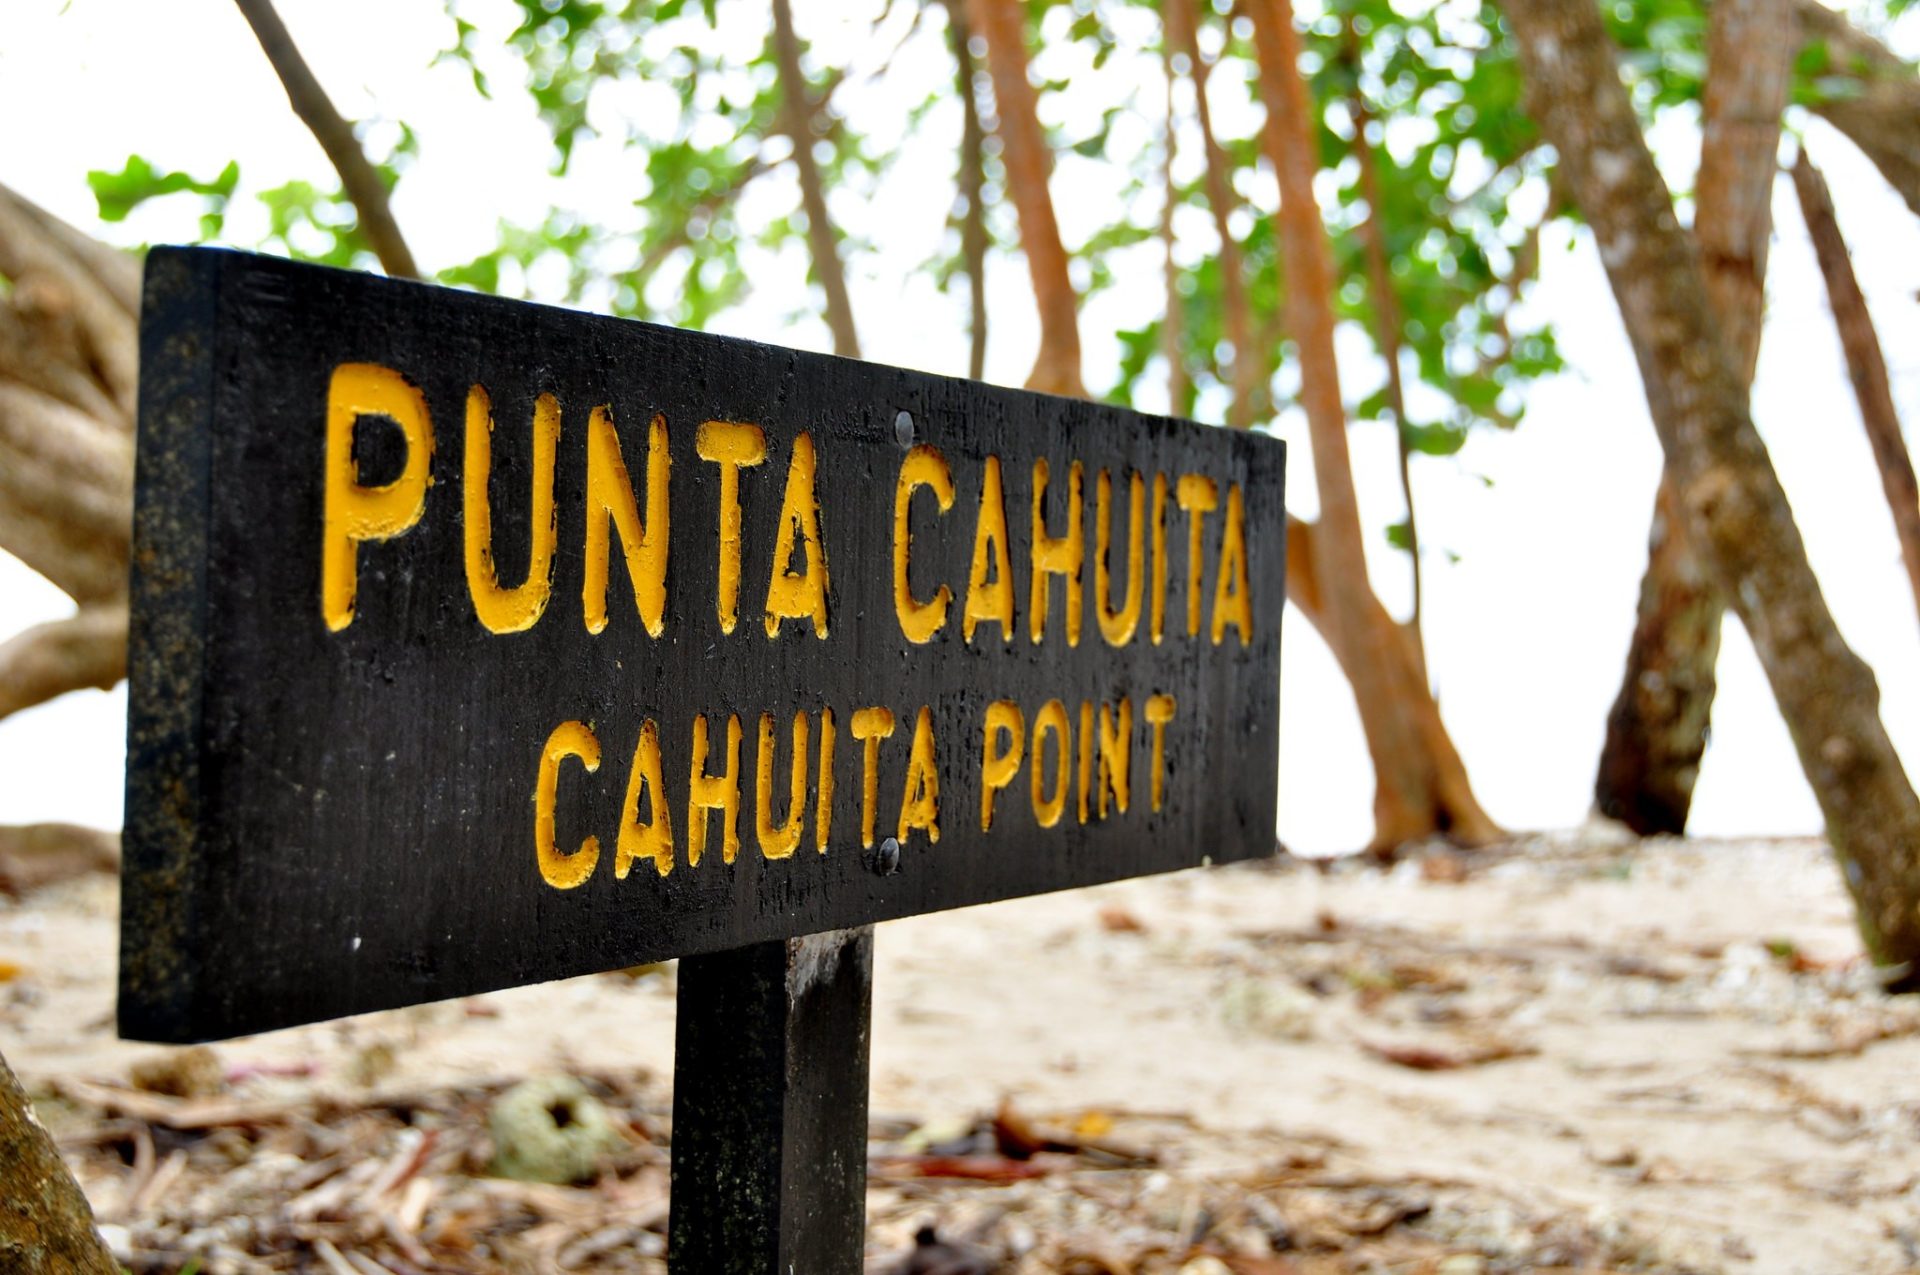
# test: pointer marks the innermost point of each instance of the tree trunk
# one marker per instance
(1657, 729)
(1724, 482)
(336, 137)
(46, 1225)
(1420, 785)
(1386, 317)
(1882, 117)
(1179, 384)
(1029, 161)
(1865, 364)
(797, 122)
(1236, 315)
(973, 179)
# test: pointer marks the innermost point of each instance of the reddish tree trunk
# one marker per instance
(1865, 364)
(1029, 161)
(1420, 784)
(1657, 729)
(1724, 482)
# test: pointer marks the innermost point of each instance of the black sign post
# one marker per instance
(478, 643)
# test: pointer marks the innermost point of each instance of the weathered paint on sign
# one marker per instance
(478, 643)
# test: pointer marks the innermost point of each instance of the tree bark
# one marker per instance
(1421, 787)
(1179, 384)
(336, 137)
(67, 381)
(1182, 23)
(1029, 161)
(1865, 364)
(1657, 728)
(1883, 117)
(1387, 323)
(973, 180)
(39, 854)
(1724, 481)
(797, 122)
(46, 1225)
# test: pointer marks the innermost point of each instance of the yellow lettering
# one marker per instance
(1199, 496)
(920, 803)
(1159, 713)
(998, 766)
(352, 513)
(508, 610)
(1061, 555)
(779, 841)
(802, 596)
(714, 792)
(733, 446)
(1086, 756)
(1232, 597)
(990, 599)
(563, 871)
(653, 839)
(610, 502)
(1157, 619)
(870, 726)
(923, 467)
(1050, 720)
(1118, 626)
(1116, 756)
(823, 802)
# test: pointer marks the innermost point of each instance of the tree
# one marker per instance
(1724, 484)
(1420, 785)
(46, 1225)
(1657, 729)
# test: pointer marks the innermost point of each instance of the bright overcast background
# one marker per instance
(1536, 538)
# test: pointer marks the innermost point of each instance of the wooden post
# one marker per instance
(770, 1108)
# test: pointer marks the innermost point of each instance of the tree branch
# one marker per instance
(1865, 363)
(1179, 384)
(336, 137)
(66, 493)
(973, 180)
(1236, 315)
(1883, 118)
(1029, 161)
(797, 121)
(87, 649)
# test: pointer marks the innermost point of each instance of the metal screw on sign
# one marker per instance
(903, 428)
(886, 860)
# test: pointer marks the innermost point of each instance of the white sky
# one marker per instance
(1527, 630)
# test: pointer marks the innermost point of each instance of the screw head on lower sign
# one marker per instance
(903, 428)
(886, 857)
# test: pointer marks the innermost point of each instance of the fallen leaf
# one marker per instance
(1433, 1058)
(1115, 919)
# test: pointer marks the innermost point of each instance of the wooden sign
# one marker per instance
(478, 643)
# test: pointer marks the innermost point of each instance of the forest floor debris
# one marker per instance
(1571, 1054)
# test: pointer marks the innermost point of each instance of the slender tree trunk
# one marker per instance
(1386, 306)
(1420, 785)
(973, 180)
(1179, 384)
(46, 1225)
(336, 137)
(1029, 161)
(797, 121)
(1881, 114)
(1723, 479)
(1865, 364)
(1183, 32)
(1657, 728)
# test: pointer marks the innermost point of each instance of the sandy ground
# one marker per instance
(1673, 1042)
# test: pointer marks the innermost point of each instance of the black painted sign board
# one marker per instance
(478, 643)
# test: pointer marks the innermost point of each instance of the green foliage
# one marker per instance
(118, 194)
